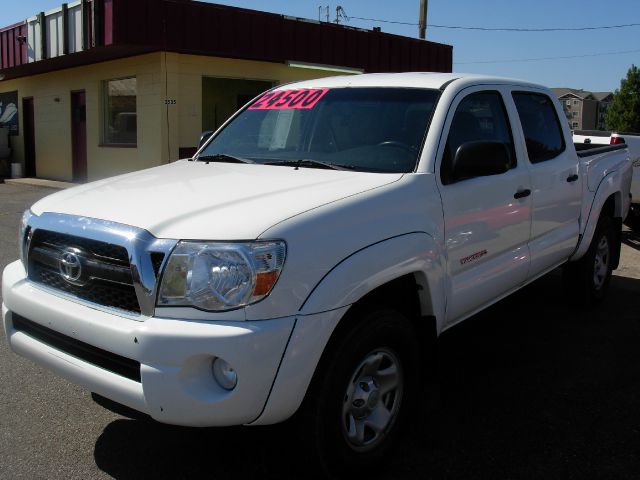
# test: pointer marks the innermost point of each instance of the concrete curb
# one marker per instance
(39, 182)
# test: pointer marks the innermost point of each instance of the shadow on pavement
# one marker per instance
(533, 387)
(135, 449)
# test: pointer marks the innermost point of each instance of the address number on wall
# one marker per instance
(170, 101)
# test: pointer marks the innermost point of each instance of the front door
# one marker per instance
(79, 135)
(487, 218)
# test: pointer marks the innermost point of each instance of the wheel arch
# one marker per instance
(414, 260)
(403, 294)
(411, 282)
(607, 201)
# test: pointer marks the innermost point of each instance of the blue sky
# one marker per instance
(503, 49)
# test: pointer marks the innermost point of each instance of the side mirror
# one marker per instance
(204, 137)
(480, 159)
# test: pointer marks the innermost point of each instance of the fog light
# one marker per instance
(224, 374)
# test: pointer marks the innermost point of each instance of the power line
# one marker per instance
(577, 29)
(549, 58)
(385, 21)
(503, 29)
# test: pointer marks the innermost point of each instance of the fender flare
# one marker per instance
(351, 279)
(365, 270)
(608, 186)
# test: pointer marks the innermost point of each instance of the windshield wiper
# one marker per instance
(223, 158)
(308, 163)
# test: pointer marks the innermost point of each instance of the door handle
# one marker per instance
(522, 193)
(572, 178)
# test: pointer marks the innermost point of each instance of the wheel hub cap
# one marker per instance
(372, 400)
(365, 397)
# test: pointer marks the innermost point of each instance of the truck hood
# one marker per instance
(216, 201)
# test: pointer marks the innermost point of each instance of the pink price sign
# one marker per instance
(285, 99)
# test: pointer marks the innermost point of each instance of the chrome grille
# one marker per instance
(105, 264)
(105, 274)
(101, 293)
(106, 251)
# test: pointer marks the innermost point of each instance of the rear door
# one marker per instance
(556, 185)
(487, 218)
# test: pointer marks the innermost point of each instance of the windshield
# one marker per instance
(366, 129)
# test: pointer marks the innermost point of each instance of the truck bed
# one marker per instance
(589, 149)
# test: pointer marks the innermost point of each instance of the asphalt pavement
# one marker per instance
(535, 387)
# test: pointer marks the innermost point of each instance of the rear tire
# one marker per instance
(589, 277)
(363, 397)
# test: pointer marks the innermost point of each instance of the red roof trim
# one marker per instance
(197, 28)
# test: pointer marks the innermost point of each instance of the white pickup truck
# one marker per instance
(308, 255)
(587, 139)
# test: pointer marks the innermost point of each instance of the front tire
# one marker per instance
(589, 277)
(362, 399)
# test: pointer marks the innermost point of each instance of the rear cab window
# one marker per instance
(540, 124)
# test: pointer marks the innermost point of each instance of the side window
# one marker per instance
(480, 117)
(541, 126)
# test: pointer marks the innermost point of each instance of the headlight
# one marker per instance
(220, 276)
(23, 236)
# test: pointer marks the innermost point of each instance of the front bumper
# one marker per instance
(176, 384)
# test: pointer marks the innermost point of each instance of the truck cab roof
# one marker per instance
(438, 81)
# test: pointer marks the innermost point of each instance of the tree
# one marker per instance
(624, 113)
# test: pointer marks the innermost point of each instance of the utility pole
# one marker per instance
(422, 28)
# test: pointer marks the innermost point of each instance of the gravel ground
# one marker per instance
(534, 387)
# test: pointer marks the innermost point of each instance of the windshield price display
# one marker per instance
(285, 99)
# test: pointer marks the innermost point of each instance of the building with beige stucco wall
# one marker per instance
(98, 101)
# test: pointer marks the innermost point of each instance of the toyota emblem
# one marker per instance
(71, 265)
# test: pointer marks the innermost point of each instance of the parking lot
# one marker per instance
(534, 387)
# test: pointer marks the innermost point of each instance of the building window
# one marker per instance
(575, 124)
(575, 102)
(568, 103)
(575, 114)
(120, 112)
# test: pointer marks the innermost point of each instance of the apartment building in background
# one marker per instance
(584, 110)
